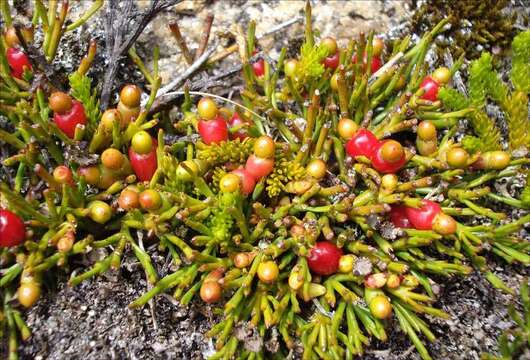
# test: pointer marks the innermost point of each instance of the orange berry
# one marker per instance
(264, 147)
(392, 151)
(112, 159)
(130, 96)
(28, 293)
(347, 128)
(207, 108)
(129, 199)
(210, 292)
(442, 75)
(150, 199)
(317, 169)
(457, 158)
(380, 307)
(60, 102)
(330, 44)
(268, 272)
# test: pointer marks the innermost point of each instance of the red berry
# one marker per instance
(431, 87)
(17, 61)
(362, 143)
(68, 121)
(384, 166)
(422, 218)
(144, 165)
(259, 167)
(247, 180)
(213, 131)
(398, 216)
(241, 133)
(332, 61)
(324, 258)
(12, 229)
(375, 64)
(259, 68)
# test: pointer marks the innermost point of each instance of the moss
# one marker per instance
(475, 24)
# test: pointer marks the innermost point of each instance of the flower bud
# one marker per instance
(296, 280)
(393, 281)
(241, 260)
(65, 243)
(375, 281)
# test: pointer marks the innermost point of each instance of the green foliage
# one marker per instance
(521, 61)
(310, 64)
(452, 99)
(517, 106)
(486, 130)
(82, 91)
(518, 123)
(221, 222)
(497, 90)
(235, 151)
(479, 74)
(471, 144)
(481, 80)
(484, 82)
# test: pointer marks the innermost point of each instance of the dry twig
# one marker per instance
(181, 42)
(205, 36)
(122, 30)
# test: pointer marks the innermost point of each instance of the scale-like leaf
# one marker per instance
(518, 123)
(82, 91)
(521, 61)
(453, 99)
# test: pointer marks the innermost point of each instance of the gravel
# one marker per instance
(92, 321)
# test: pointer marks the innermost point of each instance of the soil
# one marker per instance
(92, 320)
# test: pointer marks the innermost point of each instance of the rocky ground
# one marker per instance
(92, 321)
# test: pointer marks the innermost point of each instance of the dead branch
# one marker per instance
(181, 42)
(167, 100)
(205, 36)
(178, 81)
(123, 26)
(235, 47)
(164, 101)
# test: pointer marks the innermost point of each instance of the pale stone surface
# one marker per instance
(341, 19)
(338, 18)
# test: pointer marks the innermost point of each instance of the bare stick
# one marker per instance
(235, 47)
(205, 36)
(168, 99)
(177, 82)
(181, 42)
